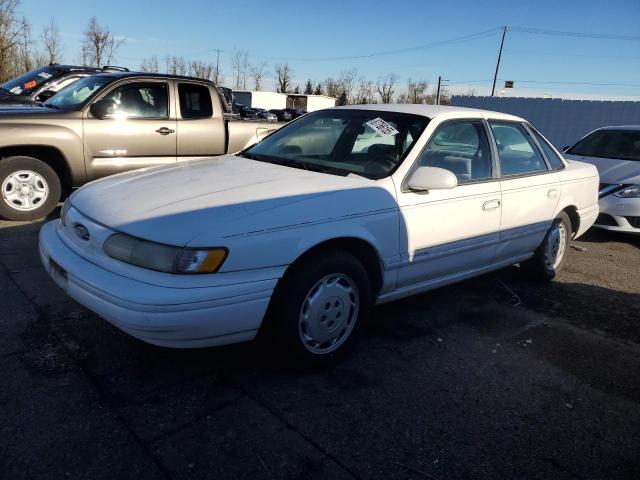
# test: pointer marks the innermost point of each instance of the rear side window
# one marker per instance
(554, 160)
(195, 101)
(518, 154)
(462, 148)
(618, 144)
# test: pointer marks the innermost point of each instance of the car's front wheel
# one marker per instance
(320, 307)
(30, 188)
(550, 256)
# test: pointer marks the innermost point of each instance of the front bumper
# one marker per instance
(161, 315)
(619, 214)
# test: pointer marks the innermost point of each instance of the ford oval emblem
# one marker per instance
(81, 232)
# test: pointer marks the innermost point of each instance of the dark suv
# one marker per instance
(42, 83)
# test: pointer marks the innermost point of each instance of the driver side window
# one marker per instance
(462, 147)
(140, 100)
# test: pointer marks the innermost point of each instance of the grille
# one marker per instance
(633, 221)
(605, 219)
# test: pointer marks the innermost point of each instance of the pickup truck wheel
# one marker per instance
(549, 257)
(320, 308)
(30, 188)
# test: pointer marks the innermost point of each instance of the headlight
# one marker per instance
(63, 213)
(632, 191)
(163, 258)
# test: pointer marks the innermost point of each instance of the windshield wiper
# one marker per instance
(290, 162)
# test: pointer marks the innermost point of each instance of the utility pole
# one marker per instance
(495, 77)
(438, 91)
(217, 65)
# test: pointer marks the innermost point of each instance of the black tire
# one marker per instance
(297, 283)
(537, 267)
(10, 165)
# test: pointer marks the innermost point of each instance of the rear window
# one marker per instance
(195, 101)
(554, 160)
(618, 144)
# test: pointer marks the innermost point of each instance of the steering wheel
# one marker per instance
(380, 164)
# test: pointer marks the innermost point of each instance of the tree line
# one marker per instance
(22, 49)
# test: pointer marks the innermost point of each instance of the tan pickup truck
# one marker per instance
(109, 123)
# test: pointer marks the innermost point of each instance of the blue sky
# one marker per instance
(307, 33)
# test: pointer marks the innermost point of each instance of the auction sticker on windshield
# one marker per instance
(381, 127)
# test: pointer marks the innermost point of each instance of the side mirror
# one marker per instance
(45, 95)
(432, 178)
(261, 133)
(102, 108)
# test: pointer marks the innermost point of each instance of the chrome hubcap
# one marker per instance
(556, 245)
(329, 313)
(25, 190)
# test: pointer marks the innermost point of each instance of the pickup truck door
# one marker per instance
(139, 131)
(201, 124)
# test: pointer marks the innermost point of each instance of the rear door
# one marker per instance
(201, 123)
(140, 131)
(530, 190)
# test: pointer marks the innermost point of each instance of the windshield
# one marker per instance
(368, 143)
(78, 93)
(27, 83)
(618, 144)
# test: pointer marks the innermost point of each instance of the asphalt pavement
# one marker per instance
(495, 377)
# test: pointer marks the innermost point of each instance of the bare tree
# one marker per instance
(10, 31)
(99, 45)
(347, 83)
(366, 92)
(25, 45)
(201, 69)
(239, 65)
(416, 92)
(283, 77)
(151, 64)
(51, 41)
(385, 87)
(258, 73)
(176, 65)
(332, 87)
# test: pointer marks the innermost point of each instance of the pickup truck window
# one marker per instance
(141, 100)
(195, 101)
(78, 93)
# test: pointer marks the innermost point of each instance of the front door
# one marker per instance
(139, 130)
(445, 233)
(530, 190)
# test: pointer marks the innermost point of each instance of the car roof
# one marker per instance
(67, 68)
(118, 74)
(621, 127)
(430, 111)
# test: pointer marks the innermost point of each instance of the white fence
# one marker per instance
(563, 122)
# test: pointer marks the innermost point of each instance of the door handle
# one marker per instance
(164, 131)
(491, 205)
(553, 193)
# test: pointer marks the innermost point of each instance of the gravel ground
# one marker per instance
(496, 377)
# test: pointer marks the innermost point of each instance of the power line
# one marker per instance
(441, 43)
(601, 36)
(579, 83)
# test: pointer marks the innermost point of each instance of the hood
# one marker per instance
(612, 170)
(25, 110)
(200, 201)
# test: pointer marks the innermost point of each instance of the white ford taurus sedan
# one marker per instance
(301, 234)
(615, 151)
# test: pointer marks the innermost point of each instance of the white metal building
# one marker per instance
(272, 100)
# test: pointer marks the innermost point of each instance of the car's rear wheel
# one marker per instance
(550, 256)
(320, 307)
(30, 188)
